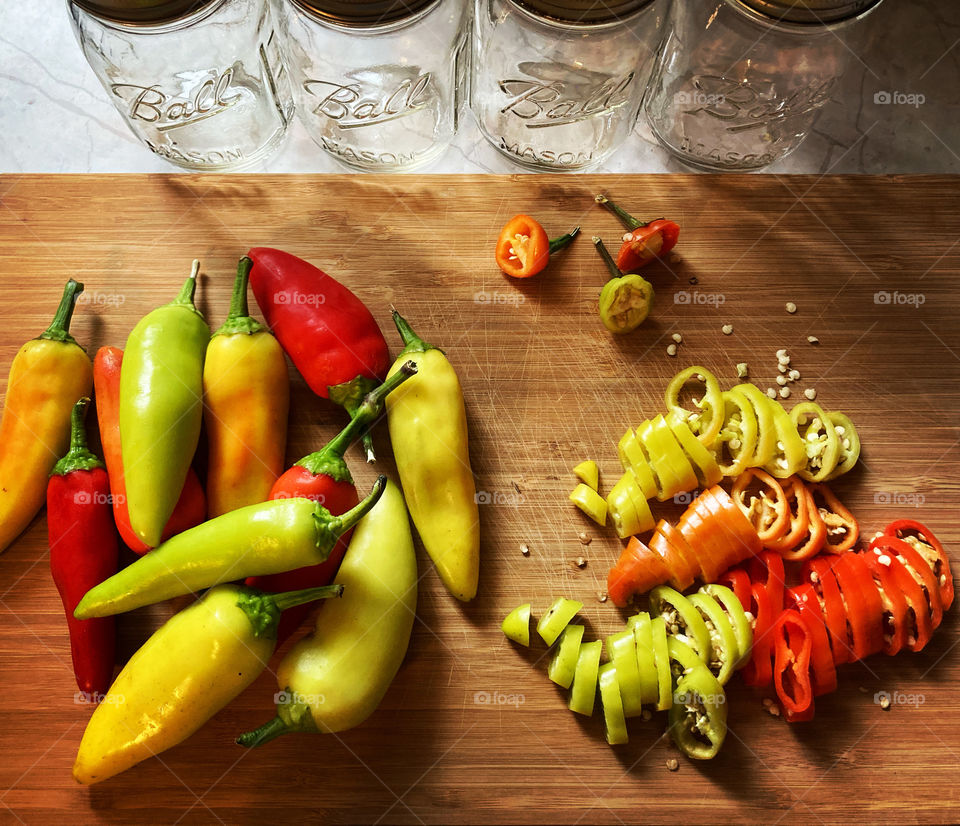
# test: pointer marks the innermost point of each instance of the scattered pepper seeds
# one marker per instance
(810, 393)
(671, 349)
(673, 764)
(601, 597)
(580, 562)
(771, 393)
(885, 702)
(727, 329)
(585, 538)
(813, 339)
(784, 392)
(742, 370)
(791, 307)
(525, 549)
(677, 337)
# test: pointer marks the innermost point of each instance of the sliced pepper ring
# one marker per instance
(682, 618)
(718, 541)
(759, 671)
(789, 455)
(661, 658)
(849, 443)
(704, 462)
(739, 433)
(616, 724)
(823, 673)
(698, 717)
(799, 519)
(742, 531)
(733, 606)
(724, 650)
(770, 518)
(919, 570)
(820, 441)
(676, 554)
(791, 674)
(637, 571)
(862, 601)
(834, 610)
(766, 429)
(622, 651)
(929, 547)
(838, 520)
(766, 569)
(737, 580)
(895, 605)
(646, 662)
(633, 458)
(918, 619)
(670, 463)
(707, 422)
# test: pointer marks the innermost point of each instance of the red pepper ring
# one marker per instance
(836, 517)
(862, 600)
(918, 568)
(907, 530)
(759, 670)
(766, 569)
(834, 611)
(778, 527)
(523, 248)
(895, 604)
(823, 673)
(793, 642)
(918, 622)
(736, 580)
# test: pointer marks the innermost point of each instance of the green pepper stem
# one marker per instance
(238, 320)
(625, 217)
(557, 244)
(268, 731)
(79, 456)
(412, 343)
(263, 609)
(330, 528)
(329, 459)
(187, 291)
(290, 599)
(607, 258)
(59, 329)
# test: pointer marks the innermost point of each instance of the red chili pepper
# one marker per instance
(929, 547)
(823, 673)
(895, 604)
(864, 608)
(819, 573)
(766, 569)
(83, 553)
(327, 331)
(793, 644)
(191, 508)
(736, 580)
(324, 477)
(838, 521)
(919, 570)
(643, 241)
(918, 620)
(758, 671)
(523, 248)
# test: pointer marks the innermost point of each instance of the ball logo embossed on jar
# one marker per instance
(543, 103)
(355, 105)
(153, 105)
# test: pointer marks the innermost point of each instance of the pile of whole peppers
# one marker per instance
(263, 538)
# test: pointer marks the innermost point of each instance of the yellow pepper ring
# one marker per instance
(707, 422)
(740, 432)
(820, 441)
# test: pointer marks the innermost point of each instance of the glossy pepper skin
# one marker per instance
(83, 552)
(191, 667)
(259, 539)
(335, 678)
(46, 378)
(428, 430)
(191, 507)
(324, 477)
(644, 240)
(327, 331)
(523, 248)
(246, 400)
(625, 300)
(161, 409)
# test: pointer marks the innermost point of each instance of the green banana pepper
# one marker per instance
(738, 620)
(682, 619)
(335, 678)
(161, 408)
(698, 717)
(724, 648)
(191, 667)
(849, 443)
(625, 300)
(268, 538)
(820, 441)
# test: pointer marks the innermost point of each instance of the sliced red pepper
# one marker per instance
(895, 605)
(759, 671)
(919, 622)
(637, 571)
(922, 538)
(736, 580)
(862, 601)
(918, 568)
(523, 248)
(840, 523)
(766, 569)
(643, 241)
(793, 643)
(834, 611)
(823, 673)
(771, 519)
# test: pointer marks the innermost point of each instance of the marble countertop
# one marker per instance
(55, 116)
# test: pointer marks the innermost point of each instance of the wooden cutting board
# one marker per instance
(472, 730)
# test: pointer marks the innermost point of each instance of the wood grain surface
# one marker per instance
(472, 730)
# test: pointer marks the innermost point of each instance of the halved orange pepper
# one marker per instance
(523, 248)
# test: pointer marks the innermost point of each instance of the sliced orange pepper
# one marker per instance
(838, 520)
(770, 518)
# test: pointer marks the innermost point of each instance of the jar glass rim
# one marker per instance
(574, 25)
(361, 27)
(153, 26)
(799, 27)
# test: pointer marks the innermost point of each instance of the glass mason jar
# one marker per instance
(557, 84)
(200, 82)
(377, 82)
(740, 83)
